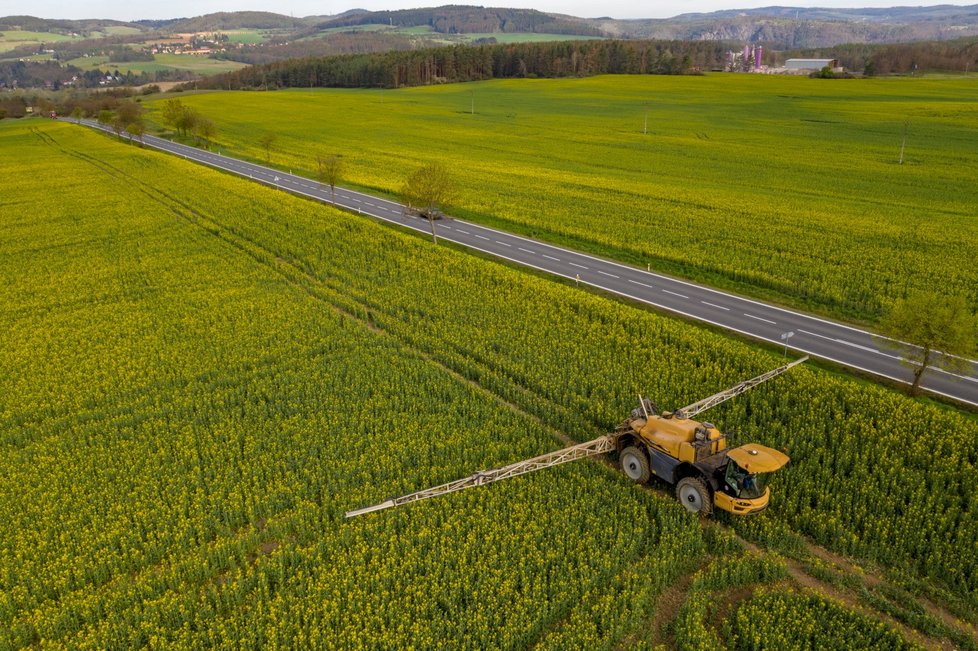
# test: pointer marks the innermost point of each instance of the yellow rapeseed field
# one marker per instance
(776, 186)
(200, 375)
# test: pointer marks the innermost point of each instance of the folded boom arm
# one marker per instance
(706, 403)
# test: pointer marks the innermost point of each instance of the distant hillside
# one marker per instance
(235, 20)
(869, 14)
(779, 27)
(776, 27)
(880, 41)
(455, 19)
(80, 27)
(791, 27)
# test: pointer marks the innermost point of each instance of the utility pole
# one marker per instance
(472, 110)
(903, 146)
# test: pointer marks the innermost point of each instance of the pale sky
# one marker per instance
(118, 10)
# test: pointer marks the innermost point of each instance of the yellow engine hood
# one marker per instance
(758, 458)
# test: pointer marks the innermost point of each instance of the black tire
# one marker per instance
(693, 494)
(635, 464)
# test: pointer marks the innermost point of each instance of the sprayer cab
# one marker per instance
(741, 482)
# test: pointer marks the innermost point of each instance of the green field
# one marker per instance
(198, 64)
(11, 38)
(102, 63)
(200, 375)
(781, 187)
(121, 30)
(247, 36)
(374, 28)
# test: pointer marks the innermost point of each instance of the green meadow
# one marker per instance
(11, 38)
(786, 188)
(121, 30)
(199, 64)
(248, 36)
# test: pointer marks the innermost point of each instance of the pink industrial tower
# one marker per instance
(754, 52)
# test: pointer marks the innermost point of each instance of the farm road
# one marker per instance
(846, 345)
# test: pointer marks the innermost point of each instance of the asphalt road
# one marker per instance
(845, 345)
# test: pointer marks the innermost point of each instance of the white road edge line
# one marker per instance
(899, 358)
(750, 335)
(703, 287)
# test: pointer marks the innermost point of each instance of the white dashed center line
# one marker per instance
(719, 307)
(760, 319)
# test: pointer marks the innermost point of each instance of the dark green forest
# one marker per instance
(472, 63)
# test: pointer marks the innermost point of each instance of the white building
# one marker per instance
(811, 65)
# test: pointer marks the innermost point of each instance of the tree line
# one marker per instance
(960, 55)
(334, 44)
(467, 63)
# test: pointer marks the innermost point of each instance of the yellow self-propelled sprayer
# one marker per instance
(689, 454)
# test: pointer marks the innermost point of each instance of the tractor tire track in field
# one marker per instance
(808, 583)
(361, 311)
(801, 578)
(666, 608)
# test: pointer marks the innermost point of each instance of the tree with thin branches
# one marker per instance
(266, 141)
(136, 129)
(330, 171)
(942, 331)
(428, 190)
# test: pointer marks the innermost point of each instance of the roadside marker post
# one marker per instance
(785, 337)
